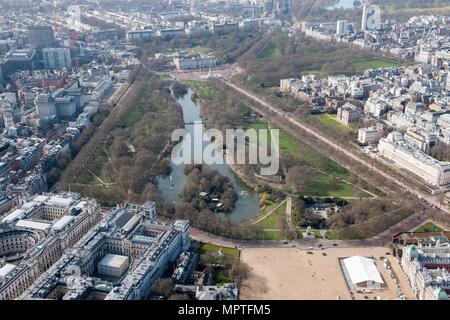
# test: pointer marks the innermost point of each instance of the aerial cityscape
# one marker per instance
(225, 150)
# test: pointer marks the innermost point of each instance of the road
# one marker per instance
(302, 244)
(264, 108)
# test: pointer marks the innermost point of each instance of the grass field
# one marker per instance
(330, 235)
(430, 226)
(372, 63)
(270, 225)
(258, 125)
(330, 120)
(204, 92)
(267, 209)
(272, 51)
(393, 10)
(322, 184)
(212, 248)
(274, 235)
(271, 222)
(194, 50)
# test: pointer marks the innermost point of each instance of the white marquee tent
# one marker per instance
(363, 272)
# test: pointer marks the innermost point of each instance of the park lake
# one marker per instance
(247, 204)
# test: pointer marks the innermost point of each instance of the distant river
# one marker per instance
(247, 204)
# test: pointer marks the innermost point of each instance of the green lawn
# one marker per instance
(304, 154)
(266, 209)
(204, 92)
(372, 63)
(429, 226)
(199, 49)
(271, 222)
(393, 10)
(258, 125)
(330, 235)
(322, 185)
(274, 235)
(194, 50)
(271, 51)
(135, 116)
(330, 120)
(207, 247)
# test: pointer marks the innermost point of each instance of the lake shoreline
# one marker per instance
(247, 205)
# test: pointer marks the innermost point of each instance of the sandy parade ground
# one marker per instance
(291, 274)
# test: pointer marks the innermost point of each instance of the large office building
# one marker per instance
(420, 138)
(341, 27)
(120, 258)
(368, 135)
(8, 102)
(348, 114)
(45, 105)
(36, 233)
(407, 156)
(140, 34)
(195, 62)
(427, 267)
(57, 58)
(370, 18)
(17, 60)
(40, 37)
(224, 28)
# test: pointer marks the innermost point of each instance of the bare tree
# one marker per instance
(298, 178)
(163, 287)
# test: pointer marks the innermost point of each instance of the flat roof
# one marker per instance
(362, 269)
(29, 205)
(60, 201)
(62, 222)
(6, 269)
(13, 215)
(33, 224)
(113, 260)
(81, 204)
(40, 198)
(131, 223)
